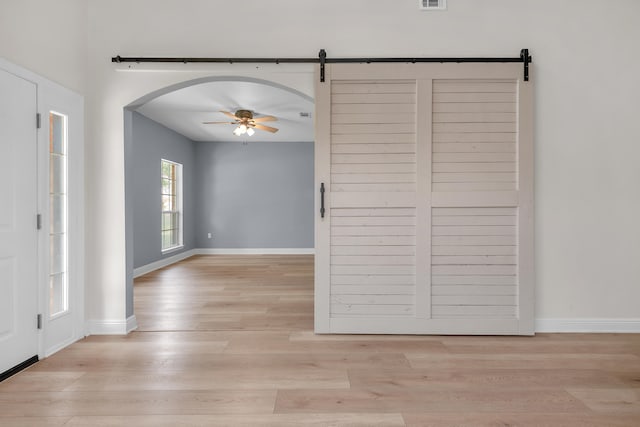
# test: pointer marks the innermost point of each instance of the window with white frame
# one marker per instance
(171, 205)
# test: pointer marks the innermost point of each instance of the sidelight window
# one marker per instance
(58, 236)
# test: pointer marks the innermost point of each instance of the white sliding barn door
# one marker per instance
(428, 225)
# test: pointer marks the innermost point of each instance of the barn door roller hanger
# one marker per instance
(322, 59)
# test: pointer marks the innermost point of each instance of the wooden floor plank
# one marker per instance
(34, 421)
(242, 420)
(544, 347)
(606, 362)
(228, 341)
(246, 378)
(197, 363)
(439, 419)
(66, 403)
(284, 345)
(610, 400)
(481, 379)
(417, 400)
(33, 380)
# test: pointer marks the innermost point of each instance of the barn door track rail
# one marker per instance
(322, 59)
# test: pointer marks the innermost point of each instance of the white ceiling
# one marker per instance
(185, 109)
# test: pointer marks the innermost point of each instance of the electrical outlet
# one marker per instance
(208, 235)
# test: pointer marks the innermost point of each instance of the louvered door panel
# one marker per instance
(372, 261)
(373, 185)
(474, 228)
(471, 275)
(474, 135)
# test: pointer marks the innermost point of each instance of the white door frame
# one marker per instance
(67, 328)
(54, 97)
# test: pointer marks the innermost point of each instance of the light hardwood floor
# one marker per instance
(227, 340)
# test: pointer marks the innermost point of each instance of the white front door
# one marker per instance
(428, 177)
(18, 233)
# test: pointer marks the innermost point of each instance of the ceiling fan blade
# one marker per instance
(265, 119)
(267, 128)
(218, 123)
(228, 114)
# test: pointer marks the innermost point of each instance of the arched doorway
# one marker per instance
(237, 195)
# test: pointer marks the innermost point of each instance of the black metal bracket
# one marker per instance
(323, 59)
(526, 60)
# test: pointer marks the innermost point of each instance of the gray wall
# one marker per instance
(255, 194)
(247, 195)
(151, 142)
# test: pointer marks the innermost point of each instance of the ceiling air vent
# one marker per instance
(433, 4)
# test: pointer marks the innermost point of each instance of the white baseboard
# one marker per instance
(106, 327)
(588, 325)
(255, 251)
(137, 272)
(111, 327)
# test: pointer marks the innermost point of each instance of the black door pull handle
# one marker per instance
(322, 200)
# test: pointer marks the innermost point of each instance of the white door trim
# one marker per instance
(60, 332)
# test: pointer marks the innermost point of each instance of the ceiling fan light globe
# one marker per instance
(243, 128)
(237, 131)
(250, 131)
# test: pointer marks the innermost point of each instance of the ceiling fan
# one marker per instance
(246, 123)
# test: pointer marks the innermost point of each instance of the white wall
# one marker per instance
(47, 37)
(586, 75)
